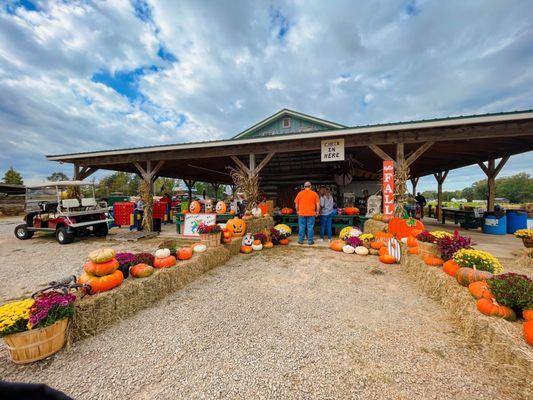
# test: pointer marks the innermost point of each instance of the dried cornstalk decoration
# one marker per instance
(146, 195)
(247, 184)
(401, 176)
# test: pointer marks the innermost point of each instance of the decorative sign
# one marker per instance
(388, 187)
(193, 221)
(394, 249)
(332, 150)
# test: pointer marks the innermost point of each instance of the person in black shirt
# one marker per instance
(421, 201)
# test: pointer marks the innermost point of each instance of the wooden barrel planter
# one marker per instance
(427, 249)
(36, 344)
(528, 242)
(210, 239)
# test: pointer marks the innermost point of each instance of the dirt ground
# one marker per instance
(292, 322)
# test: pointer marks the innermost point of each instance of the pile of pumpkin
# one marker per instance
(195, 207)
(353, 241)
(265, 240)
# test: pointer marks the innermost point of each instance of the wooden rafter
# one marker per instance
(418, 152)
(376, 149)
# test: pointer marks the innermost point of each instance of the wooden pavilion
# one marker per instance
(284, 150)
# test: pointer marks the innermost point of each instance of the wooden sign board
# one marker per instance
(388, 187)
(332, 150)
(193, 221)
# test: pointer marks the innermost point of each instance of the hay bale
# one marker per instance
(428, 249)
(372, 226)
(501, 340)
(256, 225)
(95, 313)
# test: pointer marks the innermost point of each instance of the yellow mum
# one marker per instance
(524, 233)
(478, 259)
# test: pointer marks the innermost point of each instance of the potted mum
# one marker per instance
(210, 234)
(427, 245)
(526, 235)
(34, 329)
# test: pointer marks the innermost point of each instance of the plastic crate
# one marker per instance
(122, 213)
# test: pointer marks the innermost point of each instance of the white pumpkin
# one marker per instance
(348, 249)
(256, 212)
(199, 248)
(257, 247)
(162, 253)
(247, 240)
(361, 250)
(404, 240)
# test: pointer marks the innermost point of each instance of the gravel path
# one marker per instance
(286, 323)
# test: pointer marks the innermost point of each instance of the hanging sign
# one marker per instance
(193, 221)
(388, 187)
(332, 150)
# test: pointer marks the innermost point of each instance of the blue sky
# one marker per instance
(81, 76)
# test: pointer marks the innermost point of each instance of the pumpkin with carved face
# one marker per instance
(236, 227)
(220, 208)
(247, 240)
(195, 207)
(208, 206)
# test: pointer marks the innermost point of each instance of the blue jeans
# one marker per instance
(306, 226)
(325, 225)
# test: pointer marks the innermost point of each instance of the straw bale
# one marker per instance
(373, 226)
(256, 225)
(501, 340)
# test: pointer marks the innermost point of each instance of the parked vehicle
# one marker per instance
(66, 208)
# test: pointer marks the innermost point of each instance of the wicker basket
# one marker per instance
(528, 242)
(210, 239)
(426, 249)
(36, 344)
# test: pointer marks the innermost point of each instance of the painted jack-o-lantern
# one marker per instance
(195, 207)
(248, 240)
(220, 208)
(208, 206)
(236, 227)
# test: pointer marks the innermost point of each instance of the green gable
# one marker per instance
(287, 122)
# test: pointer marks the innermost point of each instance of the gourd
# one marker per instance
(246, 249)
(413, 250)
(166, 262)
(226, 236)
(401, 227)
(480, 289)
(450, 267)
(336, 245)
(162, 253)
(208, 206)
(387, 259)
(257, 247)
(465, 276)
(184, 253)
(433, 261)
(199, 248)
(220, 207)
(376, 245)
(383, 251)
(236, 227)
(287, 211)
(528, 314)
(412, 242)
(101, 283)
(101, 269)
(488, 307)
(141, 270)
(268, 245)
(283, 228)
(351, 210)
(257, 212)
(528, 332)
(348, 249)
(101, 255)
(361, 250)
(257, 241)
(284, 242)
(195, 207)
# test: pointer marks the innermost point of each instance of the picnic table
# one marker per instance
(180, 219)
(338, 221)
(467, 218)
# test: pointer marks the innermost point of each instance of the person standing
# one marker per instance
(307, 205)
(138, 214)
(327, 205)
(421, 201)
(167, 201)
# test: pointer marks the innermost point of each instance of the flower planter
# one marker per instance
(528, 242)
(36, 344)
(427, 249)
(210, 239)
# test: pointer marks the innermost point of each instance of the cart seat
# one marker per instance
(70, 203)
(88, 202)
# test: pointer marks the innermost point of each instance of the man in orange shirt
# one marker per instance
(307, 205)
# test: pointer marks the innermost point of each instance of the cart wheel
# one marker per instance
(22, 232)
(100, 230)
(63, 237)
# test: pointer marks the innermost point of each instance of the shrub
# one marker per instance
(478, 259)
(448, 245)
(512, 290)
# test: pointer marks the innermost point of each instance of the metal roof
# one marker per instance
(363, 129)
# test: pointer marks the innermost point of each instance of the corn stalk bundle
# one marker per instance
(401, 176)
(146, 194)
(247, 184)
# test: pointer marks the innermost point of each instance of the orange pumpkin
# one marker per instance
(465, 276)
(528, 332)
(268, 245)
(489, 307)
(401, 227)
(141, 270)
(287, 211)
(236, 227)
(376, 245)
(351, 210)
(195, 207)
(479, 290)
(246, 249)
(336, 245)
(527, 314)
(450, 267)
(101, 269)
(412, 242)
(433, 261)
(184, 253)
(256, 242)
(101, 283)
(383, 251)
(166, 262)
(220, 207)
(387, 259)
(284, 242)
(413, 250)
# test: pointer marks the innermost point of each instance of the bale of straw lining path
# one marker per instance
(256, 225)
(501, 340)
(372, 226)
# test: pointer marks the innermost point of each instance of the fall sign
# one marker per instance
(388, 187)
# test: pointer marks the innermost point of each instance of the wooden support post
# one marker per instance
(414, 182)
(252, 163)
(440, 177)
(148, 175)
(190, 184)
(492, 170)
(81, 173)
(215, 187)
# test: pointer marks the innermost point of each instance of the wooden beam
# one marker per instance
(376, 149)
(264, 162)
(251, 168)
(440, 177)
(157, 168)
(483, 167)
(414, 182)
(500, 165)
(140, 168)
(237, 161)
(418, 152)
(492, 170)
(400, 156)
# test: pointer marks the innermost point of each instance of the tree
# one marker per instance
(13, 177)
(57, 176)
(119, 182)
(468, 193)
(517, 188)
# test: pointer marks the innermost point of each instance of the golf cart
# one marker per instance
(67, 208)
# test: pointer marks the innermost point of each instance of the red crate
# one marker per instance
(122, 213)
(160, 209)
